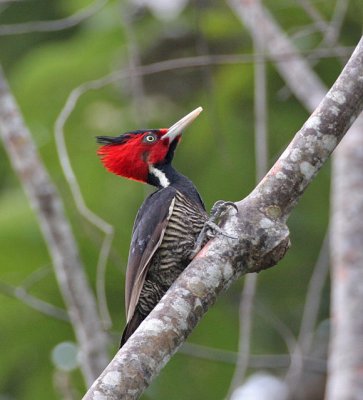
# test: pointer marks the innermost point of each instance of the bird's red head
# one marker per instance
(130, 154)
(133, 153)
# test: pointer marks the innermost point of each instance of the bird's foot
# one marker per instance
(220, 208)
(211, 228)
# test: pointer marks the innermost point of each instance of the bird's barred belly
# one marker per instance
(174, 252)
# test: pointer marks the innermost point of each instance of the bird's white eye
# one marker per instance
(149, 138)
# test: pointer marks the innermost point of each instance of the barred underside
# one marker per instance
(174, 252)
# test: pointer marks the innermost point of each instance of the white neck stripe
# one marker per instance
(160, 175)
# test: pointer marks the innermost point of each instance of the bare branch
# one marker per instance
(94, 219)
(261, 153)
(262, 361)
(134, 62)
(314, 14)
(332, 34)
(62, 383)
(57, 234)
(36, 276)
(263, 241)
(260, 98)
(313, 297)
(246, 307)
(21, 294)
(277, 43)
(280, 327)
(330, 31)
(56, 25)
(308, 324)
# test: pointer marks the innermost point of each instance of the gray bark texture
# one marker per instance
(48, 207)
(263, 238)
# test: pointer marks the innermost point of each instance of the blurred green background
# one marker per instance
(217, 153)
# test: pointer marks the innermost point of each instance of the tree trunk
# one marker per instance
(48, 206)
(345, 380)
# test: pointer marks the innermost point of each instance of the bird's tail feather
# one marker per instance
(131, 327)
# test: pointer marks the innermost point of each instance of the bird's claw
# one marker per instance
(220, 208)
(210, 228)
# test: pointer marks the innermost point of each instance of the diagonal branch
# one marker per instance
(263, 241)
(19, 292)
(277, 44)
(57, 233)
(55, 25)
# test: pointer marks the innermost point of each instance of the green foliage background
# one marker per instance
(217, 153)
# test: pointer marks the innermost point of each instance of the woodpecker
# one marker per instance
(169, 221)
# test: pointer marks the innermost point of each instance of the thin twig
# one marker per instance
(187, 62)
(134, 62)
(294, 70)
(261, 361)
(310, 315)
(35, 277)
(314, 14)
(20, 293)
(245, 313)
(313, 297)
(261, 154)
(210, 96)
(330, 30)
(56, 25)
(296, 355)
(332, 33)
(63, 385)
(93, 218)
(260, 104)
(281, 328)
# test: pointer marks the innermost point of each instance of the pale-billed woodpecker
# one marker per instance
(169, 222)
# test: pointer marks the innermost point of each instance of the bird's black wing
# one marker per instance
(148, 232)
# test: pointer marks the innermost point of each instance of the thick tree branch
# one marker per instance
(57, 233)
(263, 241)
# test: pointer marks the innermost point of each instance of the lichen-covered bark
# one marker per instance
(263, 239)
(57, 234)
